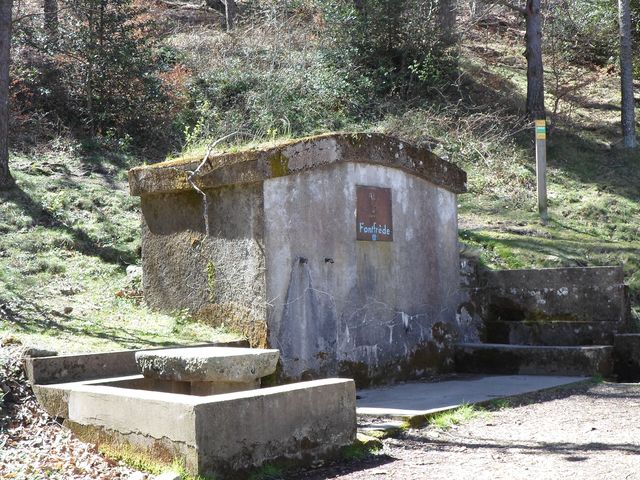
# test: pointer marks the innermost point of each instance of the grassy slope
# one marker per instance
(67, 234)
(594, 186)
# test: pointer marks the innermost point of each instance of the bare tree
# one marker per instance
(5, 51)
(231, 12)
(628, 119)
(533, 53)
(50, 10)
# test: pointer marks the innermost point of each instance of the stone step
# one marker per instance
(550, 332)
(493, 358)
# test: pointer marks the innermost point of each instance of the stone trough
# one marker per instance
(204, 406)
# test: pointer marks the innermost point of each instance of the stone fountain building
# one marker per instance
(340, 250)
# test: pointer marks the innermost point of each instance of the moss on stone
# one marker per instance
(237, 318)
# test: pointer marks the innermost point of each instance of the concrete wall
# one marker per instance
(185, 269)
(296, 423)
(89, 366)
(554, 306)
(572, 294)
(368, 310)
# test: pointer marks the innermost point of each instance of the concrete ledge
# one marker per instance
(553, 277)
(89, 366)
(533, 360)
(550, 332)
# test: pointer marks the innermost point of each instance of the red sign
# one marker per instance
(373, 214)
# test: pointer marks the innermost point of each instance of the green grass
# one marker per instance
(143, 462)
(67, 233)
(462, 414)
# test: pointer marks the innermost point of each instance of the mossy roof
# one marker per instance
(295, 156)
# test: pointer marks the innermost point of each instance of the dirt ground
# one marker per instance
(589, 432)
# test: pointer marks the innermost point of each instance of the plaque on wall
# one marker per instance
(373, 214)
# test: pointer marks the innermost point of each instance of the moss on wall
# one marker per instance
(237, 318)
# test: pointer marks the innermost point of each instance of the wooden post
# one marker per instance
(541, 168)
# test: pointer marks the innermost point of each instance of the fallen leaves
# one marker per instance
(32, 444)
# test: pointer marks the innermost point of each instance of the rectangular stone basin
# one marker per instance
(223, 435)
(104, 399)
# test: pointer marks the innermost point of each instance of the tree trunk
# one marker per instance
(626, 77)
(5, 51)
(231, 11)
(447, 21)
(533, 52)
(50, 10)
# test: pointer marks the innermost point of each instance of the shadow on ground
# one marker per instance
(29, 317)
(83, 243)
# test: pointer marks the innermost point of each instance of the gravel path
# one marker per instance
(590, 432)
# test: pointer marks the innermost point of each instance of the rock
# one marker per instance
(368, 442)
(68, 291)
(134, 272)
(168, 476)
(39, 352)
(67, 310)
(137, 476)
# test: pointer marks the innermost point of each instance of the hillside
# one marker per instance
(70, 230)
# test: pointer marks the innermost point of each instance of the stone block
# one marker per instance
(627, 357)
(89, 366)
(208, 364)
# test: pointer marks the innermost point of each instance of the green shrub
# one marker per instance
(102, 76)
(392, 47)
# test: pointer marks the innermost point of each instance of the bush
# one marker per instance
(267, 79)
(101, 76)
(398, 47)
(584, 31)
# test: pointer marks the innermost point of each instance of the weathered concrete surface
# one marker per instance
(55, 398)
(423, 398)
(186, 269)
(627, 357)
(570, 294)
(367, 310)
(299, 422)
(281, 262)
(208, 364)
(222, 435)
(533, 360)
(556, 306)
(469, 319)
(88, 366)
